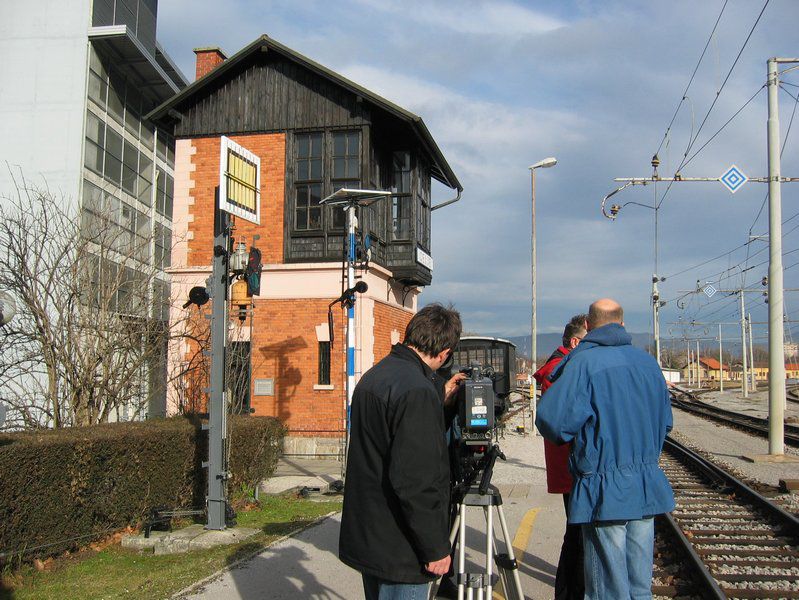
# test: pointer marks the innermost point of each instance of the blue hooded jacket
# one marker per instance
(610, 400)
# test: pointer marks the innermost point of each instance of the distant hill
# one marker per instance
(547, 342)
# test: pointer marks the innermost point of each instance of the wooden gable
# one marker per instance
(267, 92)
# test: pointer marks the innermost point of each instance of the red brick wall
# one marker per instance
(284, 348)
(388, 318)
(271, 148)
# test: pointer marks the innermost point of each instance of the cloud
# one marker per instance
(475, 18)
(501, 85)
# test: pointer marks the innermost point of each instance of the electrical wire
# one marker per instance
(718, 93)
(691, 80)
(765, 196)
(710, 260)
(738, 265)
(730, 120)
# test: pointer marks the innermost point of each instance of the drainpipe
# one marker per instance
(448, 202)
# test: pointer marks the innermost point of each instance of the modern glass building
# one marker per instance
(75, 81)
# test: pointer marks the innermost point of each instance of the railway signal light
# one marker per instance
(764, 281)
(253, 272)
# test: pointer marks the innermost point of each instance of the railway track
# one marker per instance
(689, 402)
(734, 542)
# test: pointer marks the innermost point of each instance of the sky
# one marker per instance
(502, 85)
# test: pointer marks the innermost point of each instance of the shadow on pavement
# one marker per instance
(287, 570)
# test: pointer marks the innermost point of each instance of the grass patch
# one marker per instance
(120, 573)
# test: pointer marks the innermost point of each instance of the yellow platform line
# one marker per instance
(520, 542)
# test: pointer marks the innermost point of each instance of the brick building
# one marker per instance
(314, 132)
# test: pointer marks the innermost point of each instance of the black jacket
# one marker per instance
(396, 498)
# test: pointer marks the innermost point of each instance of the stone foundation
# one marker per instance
(313, 447)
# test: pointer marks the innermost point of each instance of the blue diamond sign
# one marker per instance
(733, 179)
(709, 290)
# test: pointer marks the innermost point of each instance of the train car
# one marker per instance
(492, 352)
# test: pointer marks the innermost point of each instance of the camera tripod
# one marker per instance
(480, 586)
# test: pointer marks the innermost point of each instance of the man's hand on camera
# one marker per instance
(439, 567)
(451, 387)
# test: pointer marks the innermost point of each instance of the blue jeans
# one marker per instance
(375, 588)
(618, 559)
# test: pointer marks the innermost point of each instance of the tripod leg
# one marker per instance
(489, 549)
(462, 552)
(513, 592)
(453, 537)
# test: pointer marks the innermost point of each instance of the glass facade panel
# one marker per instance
(130, 168)
(98, 89)
(116, 98)
(93, 157)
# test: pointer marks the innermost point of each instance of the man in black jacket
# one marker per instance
(395, 521)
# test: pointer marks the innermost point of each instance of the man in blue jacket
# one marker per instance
(610, 401)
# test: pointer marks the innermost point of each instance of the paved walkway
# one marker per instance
(306, 566)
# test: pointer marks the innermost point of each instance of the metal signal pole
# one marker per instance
(217, 401)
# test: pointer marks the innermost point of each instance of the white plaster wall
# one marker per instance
(184, 170)
(44, 50)
(182, 281)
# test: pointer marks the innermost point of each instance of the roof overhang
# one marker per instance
(440, 169)
(129, 53)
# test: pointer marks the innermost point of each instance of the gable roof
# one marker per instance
(440, 169)
(710, 363)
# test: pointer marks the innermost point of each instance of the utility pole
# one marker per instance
(721, 363)
(775, 269)
(656, 304)
(745, 372)
(698, 366)
(690, 365)
(721, 352)
(752, 371)
(776, 348)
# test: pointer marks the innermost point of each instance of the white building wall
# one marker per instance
(44, 46)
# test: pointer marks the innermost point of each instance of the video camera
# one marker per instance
(479, 407)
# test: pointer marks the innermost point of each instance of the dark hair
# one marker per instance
(434, 329)
(599, 316)
(574, 328)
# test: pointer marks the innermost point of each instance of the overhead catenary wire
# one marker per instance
(715, 99)
(748, 243)
(693, 75)
(738, 265)
(720, 129)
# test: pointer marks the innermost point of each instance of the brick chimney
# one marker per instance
(208, 59)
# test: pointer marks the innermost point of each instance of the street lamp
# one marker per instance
(542, 164)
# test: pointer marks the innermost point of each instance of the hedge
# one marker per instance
(66, 488)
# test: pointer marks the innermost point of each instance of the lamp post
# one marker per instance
(542, 164)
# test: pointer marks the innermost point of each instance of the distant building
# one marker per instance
(708, 370)
(314, 132)
(75, 81)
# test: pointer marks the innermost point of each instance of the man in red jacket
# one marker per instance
(569, 578)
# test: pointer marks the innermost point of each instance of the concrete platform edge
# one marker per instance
(770, 458)
(198, 584)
